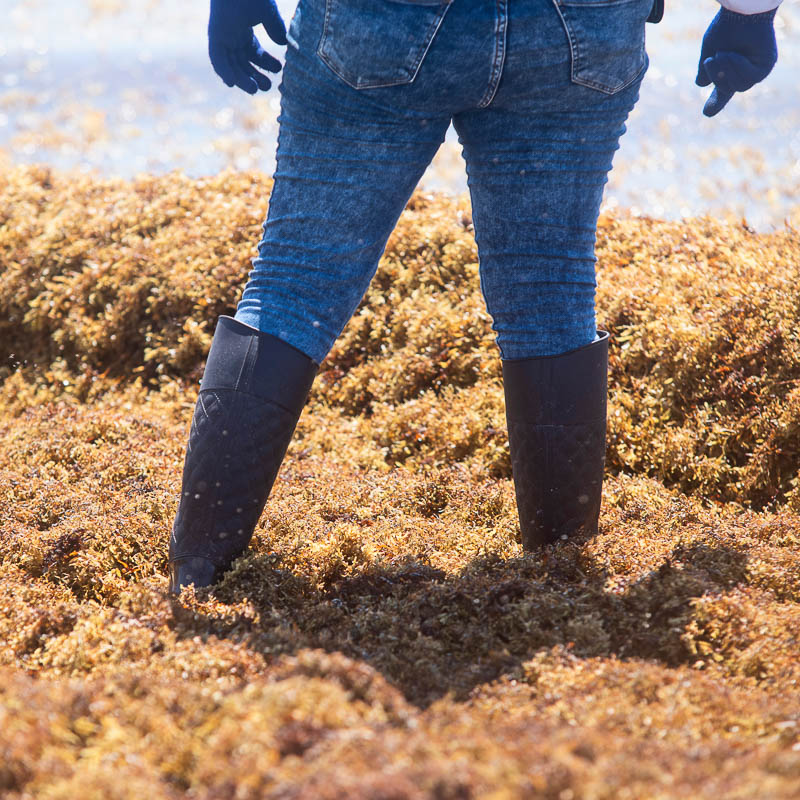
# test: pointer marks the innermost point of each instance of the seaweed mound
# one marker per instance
(385, 637)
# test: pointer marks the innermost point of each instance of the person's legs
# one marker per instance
(347, 163)
(348, 159)
(538, 157)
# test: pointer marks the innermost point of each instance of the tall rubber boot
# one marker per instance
(556, 415)
(253, 390)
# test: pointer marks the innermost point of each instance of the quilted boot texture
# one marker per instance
(556, 414)
(253, 390)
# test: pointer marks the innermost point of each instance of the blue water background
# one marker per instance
(122, 88)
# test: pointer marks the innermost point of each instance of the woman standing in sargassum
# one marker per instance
(538, 92)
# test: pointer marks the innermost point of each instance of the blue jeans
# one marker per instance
(538, 92)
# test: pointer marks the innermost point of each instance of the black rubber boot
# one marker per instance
(253, 390)
(556, 414)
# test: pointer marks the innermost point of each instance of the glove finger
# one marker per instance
(255, 79)
(264, 60)
(706, 51)
(219, 61)
(733, 72)
(717, 101)
(702, 78)
(242, 79)
(273, 24)
(263, 82)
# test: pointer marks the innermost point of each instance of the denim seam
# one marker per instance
(499, 53)
(429, 39)
(482, 286)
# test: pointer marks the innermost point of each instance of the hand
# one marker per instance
(233, 47)
(738, 51)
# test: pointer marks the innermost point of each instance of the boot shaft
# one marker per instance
(556, 414)
(252, 393)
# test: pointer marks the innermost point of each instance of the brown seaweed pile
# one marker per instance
(385, 637)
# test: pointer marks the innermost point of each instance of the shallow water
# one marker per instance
(108, 86)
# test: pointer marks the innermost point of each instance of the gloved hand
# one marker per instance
(233, 47)
(738, 51)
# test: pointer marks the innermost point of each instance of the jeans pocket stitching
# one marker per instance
(604, 87)
(577, 57)
(374, 84)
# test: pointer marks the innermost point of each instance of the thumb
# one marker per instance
(718, 100)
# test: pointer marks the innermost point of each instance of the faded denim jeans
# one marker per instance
(538, 92)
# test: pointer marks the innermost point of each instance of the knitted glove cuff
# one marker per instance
(735, 16)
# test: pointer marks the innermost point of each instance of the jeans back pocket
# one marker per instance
(607, 40)
(373, 43)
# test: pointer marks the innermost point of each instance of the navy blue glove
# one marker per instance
(739, 50)
(232, 46)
